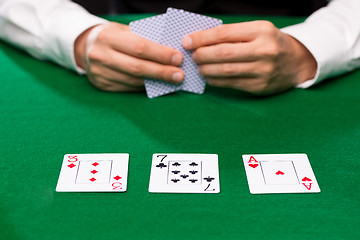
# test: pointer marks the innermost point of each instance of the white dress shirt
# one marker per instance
(332, 35)
(47, 29)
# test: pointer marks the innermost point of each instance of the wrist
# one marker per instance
(80, 48)
(305, 63)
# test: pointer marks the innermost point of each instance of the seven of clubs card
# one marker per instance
(280, 173)
(93, 173)
(184, 173)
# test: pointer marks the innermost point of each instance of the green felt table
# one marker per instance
(47, 112)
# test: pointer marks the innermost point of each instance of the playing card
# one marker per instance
(184, 173)
(151, 28)
(93, 173)
(179, 23)
(169, 29)
(280, 173)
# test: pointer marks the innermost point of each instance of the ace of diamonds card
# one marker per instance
(93, 173)
(280, 173)
(184, 173)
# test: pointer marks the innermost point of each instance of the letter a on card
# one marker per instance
(253, 162)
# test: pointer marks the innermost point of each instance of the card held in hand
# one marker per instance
(93, 173)
(184, 173)
(179, 23)
(280, 173)
(169, 29)
(151, 28)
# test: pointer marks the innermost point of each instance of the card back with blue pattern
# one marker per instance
(169, 29)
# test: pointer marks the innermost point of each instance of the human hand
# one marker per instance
(255, 57)
(119, 60)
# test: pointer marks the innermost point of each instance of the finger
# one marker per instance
(226, 70)
(116, 87)
(143, 68)
(99, 71)
(145, 49)
(224, 82)
(250, 85)
(237, 32)
(134, 45)
(112, 86)
(225, 52)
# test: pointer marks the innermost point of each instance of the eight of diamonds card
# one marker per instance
(93, 173)
(184, 173)
(280, 173)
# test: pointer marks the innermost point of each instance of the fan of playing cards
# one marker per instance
(169, 29)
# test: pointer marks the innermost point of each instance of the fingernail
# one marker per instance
(193, 56)
(187, 42)
(176, 59)
(177, 77)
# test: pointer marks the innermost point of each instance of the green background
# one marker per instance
(47, 112)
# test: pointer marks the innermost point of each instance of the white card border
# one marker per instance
(302, 165)
(210, 159)
(66, 181)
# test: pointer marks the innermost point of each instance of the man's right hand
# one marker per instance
(119, 60)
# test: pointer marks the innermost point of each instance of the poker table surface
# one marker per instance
(47, 112)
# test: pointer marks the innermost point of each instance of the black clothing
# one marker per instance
(260, 7)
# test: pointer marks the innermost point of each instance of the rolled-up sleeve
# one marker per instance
(332, 35)
(46, 29)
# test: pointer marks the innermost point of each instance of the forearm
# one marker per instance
(47, 29)
(332, 35)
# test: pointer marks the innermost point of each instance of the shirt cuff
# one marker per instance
(330, 35)
(62, 34)
(308, 36)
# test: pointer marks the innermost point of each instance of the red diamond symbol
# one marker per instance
(71, 165)
(253, 165)
(279, 173)
(117, 178)
(306, 179)
(94, 171)
(95, 164)
(92, 179)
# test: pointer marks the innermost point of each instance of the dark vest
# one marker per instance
(274, 7)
